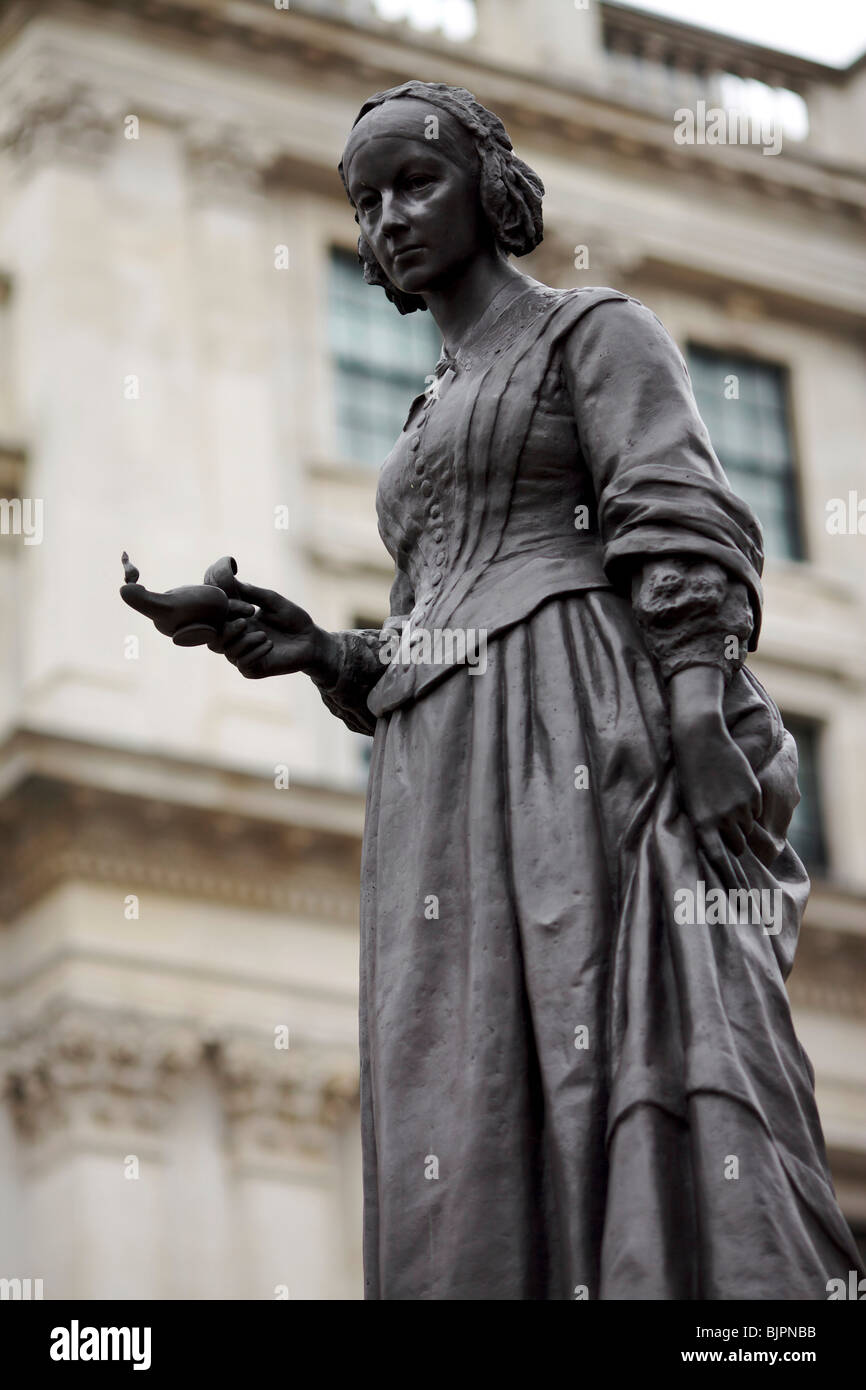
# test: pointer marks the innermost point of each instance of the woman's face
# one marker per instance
(417, 200)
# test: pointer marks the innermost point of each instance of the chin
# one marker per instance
(413, 281)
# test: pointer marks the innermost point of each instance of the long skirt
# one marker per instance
(571, 1086)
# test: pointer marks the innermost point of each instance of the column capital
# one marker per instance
(50, 117)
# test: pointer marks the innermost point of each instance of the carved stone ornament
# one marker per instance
(284, 1100)
(81, 1066)
(88, 1071)
(54, 117)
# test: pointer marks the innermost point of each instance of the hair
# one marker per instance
(509, 190)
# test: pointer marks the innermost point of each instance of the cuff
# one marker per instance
(359, 670)
(692, 612)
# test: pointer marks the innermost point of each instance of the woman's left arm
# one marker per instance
(677, 540)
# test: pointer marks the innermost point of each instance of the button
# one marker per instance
(438, 534)
(437, 579)
(420, 465)
(415, 444)
(440, 558)
(427, 487)
(435, 511)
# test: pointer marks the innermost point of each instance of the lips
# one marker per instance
(406, 251)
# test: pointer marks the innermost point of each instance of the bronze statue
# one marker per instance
(579, 1072)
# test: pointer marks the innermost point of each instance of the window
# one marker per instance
(807, 826)
(381, 359)
(744, 404)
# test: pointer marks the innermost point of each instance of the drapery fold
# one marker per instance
(677, 1152)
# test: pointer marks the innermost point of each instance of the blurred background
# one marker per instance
(191, 366)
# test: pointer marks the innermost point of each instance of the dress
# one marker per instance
(568, 1092)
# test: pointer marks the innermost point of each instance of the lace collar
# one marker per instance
(499, 325)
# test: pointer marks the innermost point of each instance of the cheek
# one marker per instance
(465, 227)
(446, 212)
(369, 231)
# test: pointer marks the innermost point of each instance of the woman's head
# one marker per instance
(433, 179)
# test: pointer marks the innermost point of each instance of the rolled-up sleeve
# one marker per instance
(661, 492)
(692, 614)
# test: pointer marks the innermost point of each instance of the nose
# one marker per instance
(393, 217)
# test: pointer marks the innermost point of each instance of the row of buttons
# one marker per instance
(434, 511)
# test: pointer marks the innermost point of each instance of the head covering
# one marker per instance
(412, 119)
(510, 191)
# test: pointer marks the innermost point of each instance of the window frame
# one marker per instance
(823, 869)
(731, 353)
(390, 375)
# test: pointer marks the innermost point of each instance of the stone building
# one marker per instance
(190, 367)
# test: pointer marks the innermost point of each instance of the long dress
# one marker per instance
(569, 1088)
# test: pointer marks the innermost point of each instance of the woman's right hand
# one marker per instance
(268, 635)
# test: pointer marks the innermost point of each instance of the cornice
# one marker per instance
(57, 830)
(218, 787)
(721, 50)
(590, 119)
(51, 113)
(829, 974)
(630, 262)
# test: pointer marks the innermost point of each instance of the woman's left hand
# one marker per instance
(720, 792)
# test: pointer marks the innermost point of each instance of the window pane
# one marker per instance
(752, 439)
(380, 360)
(807, 826)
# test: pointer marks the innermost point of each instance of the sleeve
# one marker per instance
(361, 661)
(692, 614)
(675, 537)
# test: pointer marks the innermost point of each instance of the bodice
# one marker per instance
(436, 497)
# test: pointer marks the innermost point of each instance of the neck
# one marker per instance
(458, 306)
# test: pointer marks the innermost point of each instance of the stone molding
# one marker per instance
(829, 971)
(280, 1101)
(79, 1068)
(85, 1072)
(46, 116)
(225, 161)
(54, 110)
(56, 831)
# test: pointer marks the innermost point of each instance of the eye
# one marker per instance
(366, 203)
(418, 181)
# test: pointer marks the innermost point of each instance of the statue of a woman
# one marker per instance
(579, 1074)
